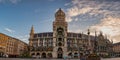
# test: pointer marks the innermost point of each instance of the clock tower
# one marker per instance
(59, 35)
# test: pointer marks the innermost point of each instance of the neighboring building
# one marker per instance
(11, 47)
(116, 49)
(61, 43)
(2, 49)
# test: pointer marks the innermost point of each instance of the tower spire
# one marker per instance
(111, 41)
(32, 32)
(82, 35)
(95, 35)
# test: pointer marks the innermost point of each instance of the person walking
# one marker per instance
(64, 57)
(82, 57)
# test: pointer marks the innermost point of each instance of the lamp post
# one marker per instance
(78, 49)
(89, 43)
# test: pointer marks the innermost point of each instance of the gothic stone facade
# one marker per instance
(60, 42)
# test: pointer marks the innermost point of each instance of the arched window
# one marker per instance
(59, 49)
(38, 54)
(43, 55)
(32, 54)
(68, 42)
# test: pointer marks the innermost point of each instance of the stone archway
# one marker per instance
(1, 54)
(43, 55)
(60, 53)
(70, 55)
(75, 55)
(33, 55)
(49, 55)
(38, 55)
(1, 51)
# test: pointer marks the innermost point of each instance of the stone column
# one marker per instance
(54, 53)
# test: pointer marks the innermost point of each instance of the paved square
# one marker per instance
(51, 59)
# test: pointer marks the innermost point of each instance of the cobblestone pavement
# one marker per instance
(51, 59)
(33, 59)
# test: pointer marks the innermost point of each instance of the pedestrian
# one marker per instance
(64, 57)
(69, 57)
(82, 57)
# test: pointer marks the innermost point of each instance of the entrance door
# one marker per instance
(43, 55)
(1, 54)
(60, 53)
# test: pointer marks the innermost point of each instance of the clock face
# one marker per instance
(59, 44)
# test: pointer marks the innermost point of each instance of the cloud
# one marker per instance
(14, 1)
(92, 8)
(37, 10)
(100, 15)
(9, 30)
(74, 28)
(76, 11)
(110, 26)
(0, 1)
(11, 1)
(23, 38)
(51, 0)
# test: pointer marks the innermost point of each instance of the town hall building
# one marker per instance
(61, 43)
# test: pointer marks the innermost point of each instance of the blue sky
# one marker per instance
(17, 16)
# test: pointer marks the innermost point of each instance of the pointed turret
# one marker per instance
(101, 36)
(105, 36)
(32, 32)
(111, 41)
(82, 35)
(95, 35)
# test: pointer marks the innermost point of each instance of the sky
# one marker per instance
(17, 16)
